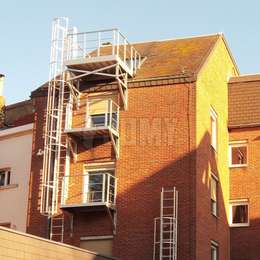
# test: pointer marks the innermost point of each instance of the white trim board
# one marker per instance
(15, 130)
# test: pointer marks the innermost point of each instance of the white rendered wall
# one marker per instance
(15, 153)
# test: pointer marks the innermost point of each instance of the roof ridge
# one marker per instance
(179, 38)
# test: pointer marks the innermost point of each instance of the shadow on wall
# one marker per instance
(139, 203)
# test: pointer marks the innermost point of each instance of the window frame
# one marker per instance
(214, 244)
(215, 178)
(242, 143)
(102, 168)
(241, 202)
(7, 178)
(213, 138)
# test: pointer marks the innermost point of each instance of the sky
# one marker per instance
(26, 30)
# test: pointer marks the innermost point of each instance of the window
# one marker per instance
(238, 154)
(103, 112)
(214, 250)
(99, 244)
(214, 194)
(213, 128)
(239, 213)
(99, 183)
(5, 176)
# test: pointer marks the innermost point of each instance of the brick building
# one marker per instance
(169, 136)
(244, 95)
(162, 114)
(15, 163)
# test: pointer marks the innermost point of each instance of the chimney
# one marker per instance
(2, 77)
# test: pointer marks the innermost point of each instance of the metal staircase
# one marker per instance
(165, 227)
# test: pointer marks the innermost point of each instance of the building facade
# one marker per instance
(244, 94)
(15, 165)
(177, 117)
(174, 133)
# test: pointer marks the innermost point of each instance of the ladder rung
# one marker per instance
(57, 226)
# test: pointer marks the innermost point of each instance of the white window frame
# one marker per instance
(238, 203)
(214, 244)
(232, 144)
(215, 178)
(6, 171)
(213, 130)
(102, 167)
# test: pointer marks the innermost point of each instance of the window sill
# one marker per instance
(214, 215)
(238, 166)
(239, 225)
(213, 147)
(7, 187)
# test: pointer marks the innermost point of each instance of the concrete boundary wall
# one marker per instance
(17, 245)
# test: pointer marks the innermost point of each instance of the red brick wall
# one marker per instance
(156, 150)
(36, 223)
(146, 165)
(244, 184)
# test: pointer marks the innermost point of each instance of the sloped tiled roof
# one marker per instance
(18, 114)
(171, 58)
(174, 57)
(244, 101)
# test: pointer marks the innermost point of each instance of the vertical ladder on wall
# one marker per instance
(57, 228)
(165, 226)
(55, 142)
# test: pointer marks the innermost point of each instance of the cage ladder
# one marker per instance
(55, 143)
(165, 226)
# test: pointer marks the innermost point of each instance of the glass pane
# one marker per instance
(2, 178)
(114, 120)
(213, 189)
(95, 187)
(239, 155)
(214, 207)
(213, 132)
(97, 120)
(8, 178)
(239, 214)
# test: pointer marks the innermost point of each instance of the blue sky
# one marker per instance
(26, 29)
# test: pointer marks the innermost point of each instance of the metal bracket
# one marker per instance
(113, 218)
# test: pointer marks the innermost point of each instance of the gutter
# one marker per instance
(15, 130)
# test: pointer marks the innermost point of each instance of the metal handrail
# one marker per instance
(109, 120)
(107, 189)
(89, 44)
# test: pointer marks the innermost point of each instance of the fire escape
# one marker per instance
(78, 59)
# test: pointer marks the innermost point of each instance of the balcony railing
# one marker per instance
(104, 43)
(94, 114)
(86, 190)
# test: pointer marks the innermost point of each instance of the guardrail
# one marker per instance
(96, 113)
(109, 42)
(92, 189)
